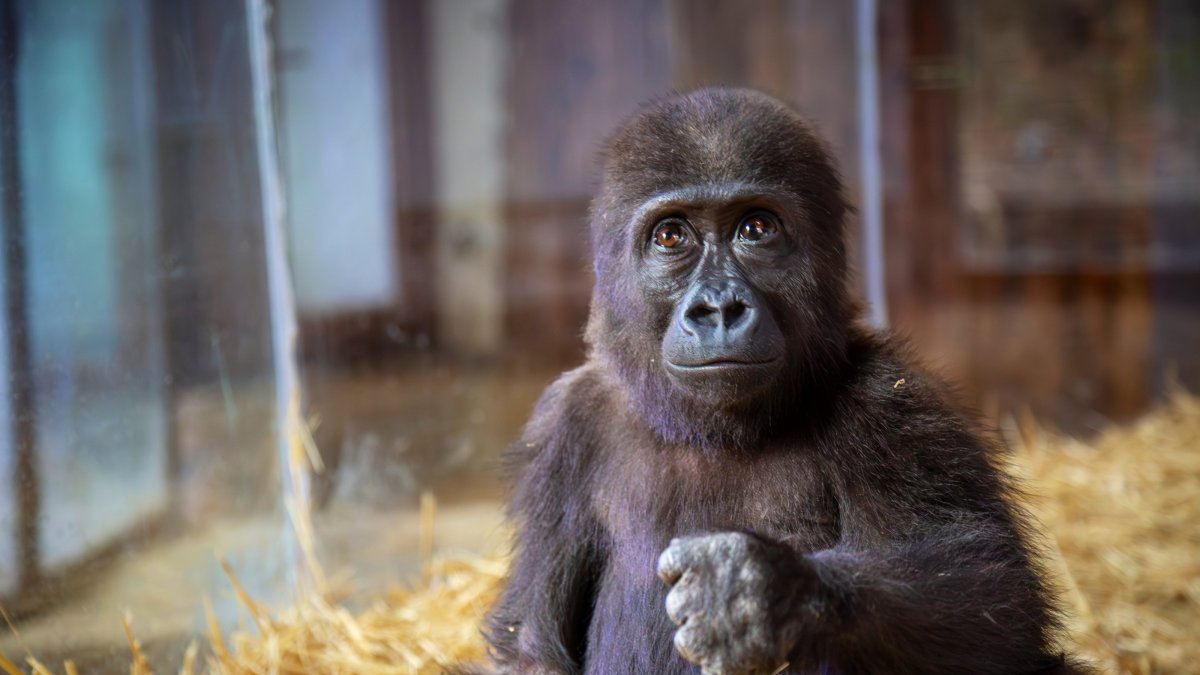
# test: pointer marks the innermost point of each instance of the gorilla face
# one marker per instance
(703, 263)
(720, 268)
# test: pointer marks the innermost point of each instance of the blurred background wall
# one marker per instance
(1039, 194)
(1040, 162)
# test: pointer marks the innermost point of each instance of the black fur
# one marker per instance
(881, 535)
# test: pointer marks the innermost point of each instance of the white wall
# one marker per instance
(336, 146)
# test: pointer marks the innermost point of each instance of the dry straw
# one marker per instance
(1123, 514)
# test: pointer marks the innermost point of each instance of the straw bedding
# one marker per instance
(1122, 516)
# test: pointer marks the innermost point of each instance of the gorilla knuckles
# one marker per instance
(737, 432)
(734, 584)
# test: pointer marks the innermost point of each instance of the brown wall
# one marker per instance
(1039, 245)
(1023, 205)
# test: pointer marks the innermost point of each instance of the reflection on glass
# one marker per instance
(142, 295)
(94, 300)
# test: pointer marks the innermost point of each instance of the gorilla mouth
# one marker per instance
(724, 380)
(721, 364)
(742, 374)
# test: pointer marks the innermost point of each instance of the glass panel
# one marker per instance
(142, 291)
(95, 322)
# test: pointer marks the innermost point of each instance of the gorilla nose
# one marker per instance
(722, 308)
(722, 329)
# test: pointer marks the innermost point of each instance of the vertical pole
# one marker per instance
(870, 162)
(293, 464)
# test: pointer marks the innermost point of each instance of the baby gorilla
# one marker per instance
(741, 478)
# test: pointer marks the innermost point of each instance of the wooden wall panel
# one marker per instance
(413, 128)
(1030, 288)
(1022, 295)
(1176, 286)
(920, 168)
(738, 44)
(577, 69)
(802, 51)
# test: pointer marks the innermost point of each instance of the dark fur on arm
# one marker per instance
(955, 600)
(540, 623)
(934, 572)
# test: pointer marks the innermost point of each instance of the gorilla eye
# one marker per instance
(756, 228)
(670, 234)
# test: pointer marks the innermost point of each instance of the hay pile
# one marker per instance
(407, 631)
(1122, 515)
(1123, 512)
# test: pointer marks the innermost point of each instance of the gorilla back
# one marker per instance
(733, 482)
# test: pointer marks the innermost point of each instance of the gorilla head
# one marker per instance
(720, 265)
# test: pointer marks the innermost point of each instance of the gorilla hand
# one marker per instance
(740, 601)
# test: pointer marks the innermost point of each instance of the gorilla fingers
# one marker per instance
(740, 602)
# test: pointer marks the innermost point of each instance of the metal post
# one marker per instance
(870, 161)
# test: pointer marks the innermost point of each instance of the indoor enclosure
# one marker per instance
(278, 276)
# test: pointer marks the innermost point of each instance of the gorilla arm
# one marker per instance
(947, 603)
(540, 624)
(930, 575)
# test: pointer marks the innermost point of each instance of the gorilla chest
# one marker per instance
(647, 500)
(653, 497)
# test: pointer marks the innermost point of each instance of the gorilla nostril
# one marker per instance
(728, 316)
(719, 308)
(732, 312)
(702, 315)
